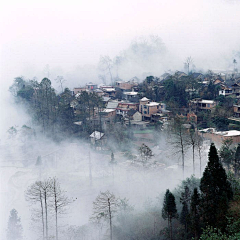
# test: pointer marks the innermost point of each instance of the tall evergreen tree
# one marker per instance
(237, 160)
(14, 230)
(216, 192)
(169, 210)
(184, 216)
(195, 213)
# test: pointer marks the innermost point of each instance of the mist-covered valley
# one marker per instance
(34, 152)
(83, 173)
(81, 157)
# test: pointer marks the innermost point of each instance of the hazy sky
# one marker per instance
(70, 33)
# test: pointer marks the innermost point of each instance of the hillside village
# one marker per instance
(157, 127)
(210, 102)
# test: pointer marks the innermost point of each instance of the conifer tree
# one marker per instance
(216, 192)
(169, 210)
(14, 230)
(184, 216)
(195, 213)
(237, 160)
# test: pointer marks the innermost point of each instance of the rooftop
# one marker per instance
(151, 104)
(112, 105)
(107, 110)
(203, 101)
(208, 101)
(97, 135)
(91, 84)
(230, 133)
(131, 93)
(109, 89)
(144, 99)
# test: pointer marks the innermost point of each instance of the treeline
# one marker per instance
(205, 208)
(176, 91)
(54, 113)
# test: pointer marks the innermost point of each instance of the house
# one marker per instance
(106, 100)
(131, 96)
(99, 92)
(218, 81)
(202, 104)
(137, 116)
(236, 110)
(128, 105)
(151, 110)
(112, 104)
(91, 86)
(198, 76)
(218, 137)
(236, 89)
(134, 115)
(125, 85)
(108, 113)
(108, 91)
(98, 140)
(164, 76)
(78, 90)
(225, 91)
(124, 107)
(147, 108)
(179, 74)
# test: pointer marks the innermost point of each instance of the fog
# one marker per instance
(70, 38)
(69, 35)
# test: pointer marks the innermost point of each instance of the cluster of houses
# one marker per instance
(134, 110)
(123, 100)
(130, 108)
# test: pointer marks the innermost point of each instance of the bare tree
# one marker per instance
(192, 141)
(199, 144)
(60, 80)
(106, 64)
(60, 200)
(102, 77)
(117, 63)
(178, 139)
(234, 65)
(48, 194)
(104, 207)
(189, 61)
(34, 194)
(46, 187)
